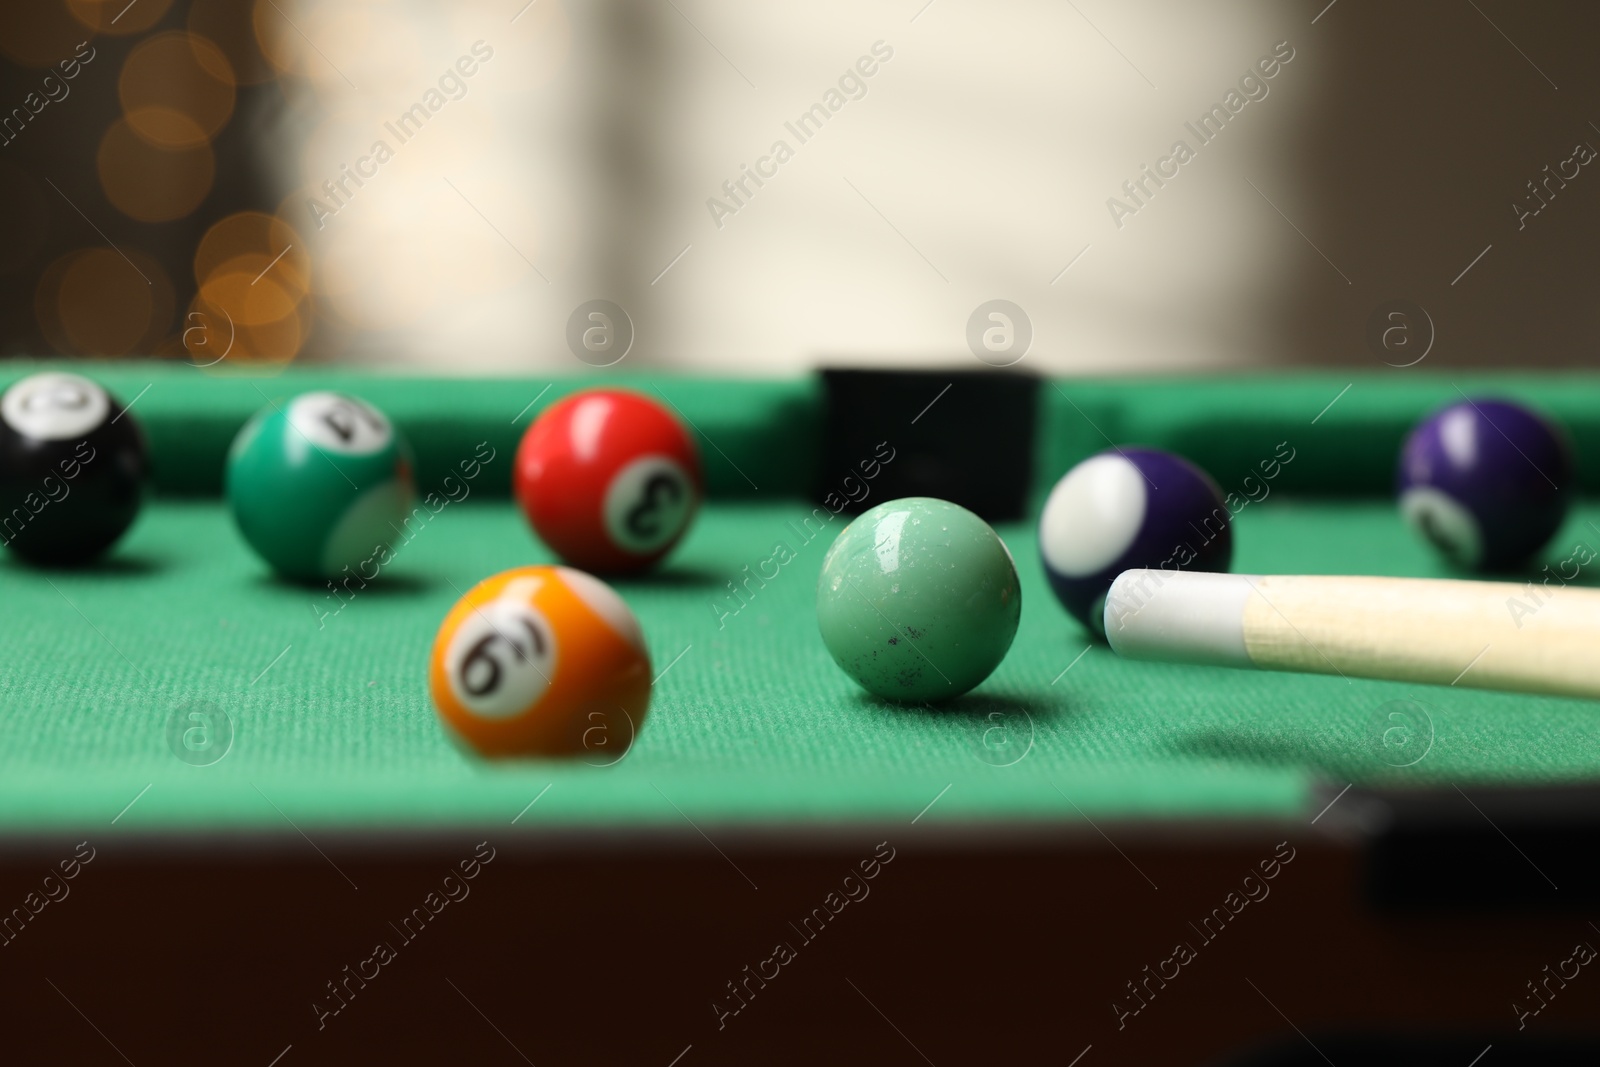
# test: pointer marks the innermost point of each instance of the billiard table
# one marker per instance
(232, 828)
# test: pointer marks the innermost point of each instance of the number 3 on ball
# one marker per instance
(609, 479)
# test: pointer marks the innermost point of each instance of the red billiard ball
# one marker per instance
(609, 479)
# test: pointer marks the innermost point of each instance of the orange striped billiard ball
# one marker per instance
(541, 661)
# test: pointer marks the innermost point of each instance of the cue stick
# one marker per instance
(1488, 635)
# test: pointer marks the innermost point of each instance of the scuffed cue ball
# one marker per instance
(541, 661)
(918, 600)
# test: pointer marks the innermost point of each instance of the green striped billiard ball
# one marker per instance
(319, 484)
(918, 600)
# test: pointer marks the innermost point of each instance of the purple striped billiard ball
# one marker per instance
(1487, 482)
(1127, 508)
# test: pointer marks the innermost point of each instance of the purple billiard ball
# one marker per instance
(1486, 481)
(1127, 508)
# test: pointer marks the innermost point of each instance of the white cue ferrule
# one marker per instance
(1181, 616)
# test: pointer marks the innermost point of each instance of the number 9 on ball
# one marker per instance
(528, 661)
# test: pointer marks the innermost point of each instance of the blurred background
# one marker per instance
(760, 189)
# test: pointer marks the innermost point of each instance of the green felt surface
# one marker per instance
(751, 722)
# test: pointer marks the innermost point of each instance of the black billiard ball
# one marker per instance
(73, 467)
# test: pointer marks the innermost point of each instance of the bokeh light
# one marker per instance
(258, 236)
(47, 302)
(275, 36)
(344, 47)
(177, 90)
(254, 276)
(395, 250)
(227, 23)
(103, 302)
(169, 347)
(213, 334)
(245, 288)
(153, 184)
(116, 17)
(396, 247)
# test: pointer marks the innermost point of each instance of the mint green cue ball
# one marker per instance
(918, 600)
(319, 484)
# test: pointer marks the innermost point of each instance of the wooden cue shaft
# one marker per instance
(1417, 630)
(1488, 635)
